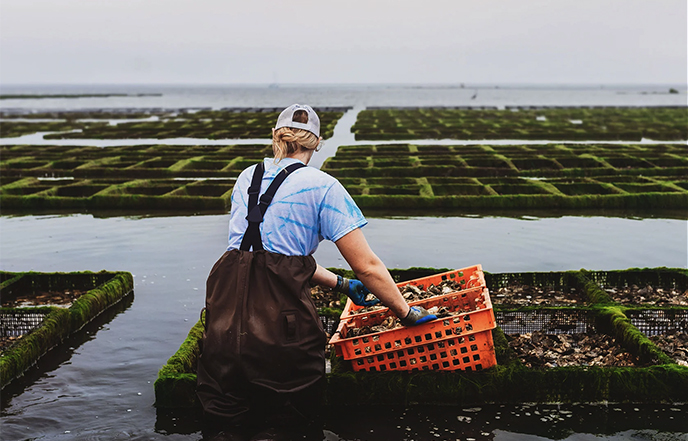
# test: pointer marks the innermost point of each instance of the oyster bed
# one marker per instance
(674, 345)
(7, 341)
(526, 295)
(62, 299)
(648, 295)
(521, 122)
(540, 350)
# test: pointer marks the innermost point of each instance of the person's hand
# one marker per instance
(358, 293)
(417, 315)
(355, 290)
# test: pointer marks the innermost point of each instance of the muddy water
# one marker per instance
(100, 384)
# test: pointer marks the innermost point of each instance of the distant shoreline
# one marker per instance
(80, 95)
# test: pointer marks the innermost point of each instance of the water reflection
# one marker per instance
(61, 354)
(104, 387)
(508, 422)
(534, 214)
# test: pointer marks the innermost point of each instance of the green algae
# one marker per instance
(599, 123)
(15, 129)
(661, 276)
(510, 381)
(641, 201)
(614, 320)
(176, 382)
(480, 177)
(15, 360)
(563, 176)
(133, 162)
(30, 194)
(205, 124)
(96, 300)
(184, 360)
(104, 289)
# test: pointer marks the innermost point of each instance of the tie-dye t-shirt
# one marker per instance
(308, 207)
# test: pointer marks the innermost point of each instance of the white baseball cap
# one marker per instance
(286, 119)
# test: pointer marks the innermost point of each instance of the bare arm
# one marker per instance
(324, 277)
(370, 270)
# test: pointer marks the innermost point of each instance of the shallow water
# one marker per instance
(101, 386)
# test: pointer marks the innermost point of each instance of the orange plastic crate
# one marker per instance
(469, 277)
(461, 341)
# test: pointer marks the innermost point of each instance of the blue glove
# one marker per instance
(355, 290)
(417, 315)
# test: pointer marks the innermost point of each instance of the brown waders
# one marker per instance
(262, 358)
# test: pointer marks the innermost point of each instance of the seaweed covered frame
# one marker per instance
(508, 382)
(104, 290)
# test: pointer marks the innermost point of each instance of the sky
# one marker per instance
(335, 42)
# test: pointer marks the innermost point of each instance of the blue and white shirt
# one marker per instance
(308, 207)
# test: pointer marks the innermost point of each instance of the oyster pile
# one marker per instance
(392, 322)
(411, 293)
(7, 341)
(540, 350)
(648, 295)
(674, 345)
(526, 295)
(61, 299)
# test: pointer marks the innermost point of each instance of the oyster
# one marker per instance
(538, 349)
(648, 295)
(674, 344)
(526, 295)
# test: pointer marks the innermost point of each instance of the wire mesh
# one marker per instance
(659, 321)
(551, 322)
(667, 279)
(560, 281)
(15, 324)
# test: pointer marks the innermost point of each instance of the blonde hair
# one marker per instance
(287, 140)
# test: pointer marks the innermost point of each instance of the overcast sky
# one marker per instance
(352, 41)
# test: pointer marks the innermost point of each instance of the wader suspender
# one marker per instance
(256, 210)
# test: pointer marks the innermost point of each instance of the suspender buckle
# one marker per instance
(255, 215)
(265, 199)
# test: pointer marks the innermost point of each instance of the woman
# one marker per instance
(262, 360)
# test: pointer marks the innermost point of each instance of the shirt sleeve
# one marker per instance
(339, 214)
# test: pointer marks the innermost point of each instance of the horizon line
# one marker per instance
(466, 85)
